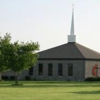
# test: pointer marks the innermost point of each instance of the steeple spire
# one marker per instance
(72, 24)
(72, 37)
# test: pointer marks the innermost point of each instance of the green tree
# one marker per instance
(22, 56)
(4, 55)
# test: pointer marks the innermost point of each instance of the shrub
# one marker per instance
(5, 77)
(12, 77)
(92, 79)
(27, 78)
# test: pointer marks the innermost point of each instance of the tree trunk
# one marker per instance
(16, 78)
(0, 76)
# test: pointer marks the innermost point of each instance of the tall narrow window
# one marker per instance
(60, 69)
(40, 70)
(31, 71)
(50, 69)
(70, 69)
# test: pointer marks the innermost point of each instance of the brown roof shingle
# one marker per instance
(69, 51)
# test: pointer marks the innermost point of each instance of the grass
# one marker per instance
(49, 90)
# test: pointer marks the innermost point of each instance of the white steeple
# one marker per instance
(72, 37)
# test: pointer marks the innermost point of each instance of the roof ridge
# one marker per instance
(89, 49)
(79, 50)
(53, 47)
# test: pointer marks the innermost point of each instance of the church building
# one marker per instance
(70, 61)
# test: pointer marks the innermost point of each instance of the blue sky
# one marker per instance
(48, 21)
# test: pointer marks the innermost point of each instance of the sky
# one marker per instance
(48, 22)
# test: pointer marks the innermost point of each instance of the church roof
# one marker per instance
(69, 51)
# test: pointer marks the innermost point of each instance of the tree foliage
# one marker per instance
(4, 54)
(22, 57)
(17, 56)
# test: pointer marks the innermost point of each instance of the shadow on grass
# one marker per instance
(49, 86)
(58, 85)
(87, 92)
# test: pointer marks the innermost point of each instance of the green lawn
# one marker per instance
(38, 90)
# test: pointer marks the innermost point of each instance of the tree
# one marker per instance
(22, 56)
(4, 55)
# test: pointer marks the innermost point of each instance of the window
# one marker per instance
(50, 69)
(60, 69)
(70, 69)
(31, 71)
(40, 70)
